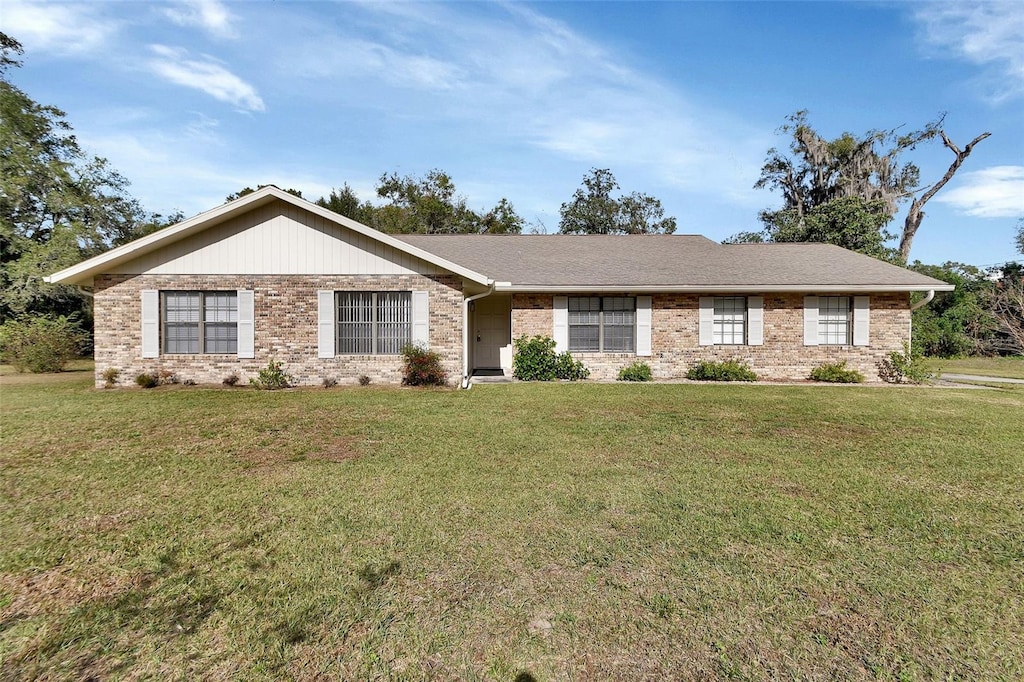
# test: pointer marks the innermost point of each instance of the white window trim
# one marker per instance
(601, 328)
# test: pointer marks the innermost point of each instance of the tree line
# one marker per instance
(60, 205)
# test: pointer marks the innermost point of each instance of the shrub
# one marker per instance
(836, 373)
(906, 367)
(364, 380)
(638, 371)
(147, 380)
(422, 367)
(329, 382)
(41, 343)
(727, 370)
(231, 379)
(272, 377)
(568, 368)
(166, 376)
(535, 360)
(110, 376)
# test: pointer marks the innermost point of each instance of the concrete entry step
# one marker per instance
(490, 376)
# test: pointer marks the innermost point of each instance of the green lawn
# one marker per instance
(1010, 367)
(561, 531)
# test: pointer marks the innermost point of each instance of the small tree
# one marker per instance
(593, 209)
(42, 343)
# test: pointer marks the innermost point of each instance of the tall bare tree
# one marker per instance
(816, 171)
(916, 212)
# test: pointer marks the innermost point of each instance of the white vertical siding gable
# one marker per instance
(560, 332)
(810, 320)
(861, 320)
(325, 324)
(277, 239)
(150, 323)
(706, 321)
(755, 320)
(643, 325)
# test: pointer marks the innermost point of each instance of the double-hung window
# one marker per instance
(730, 320)
(834, 327)
(200, 322)
(602, 324)
(373, 322)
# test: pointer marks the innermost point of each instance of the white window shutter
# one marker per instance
(246, 323)
(706, 326)
(325, 324)
(643, 325)
(560, 333)
(755, 320)
(421, 318)
(861, 320)
(150, 323)
(810, 320)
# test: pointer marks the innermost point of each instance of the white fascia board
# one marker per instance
(82, 272)
(731, 289)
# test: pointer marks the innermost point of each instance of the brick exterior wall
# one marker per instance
(285, 326)
(674, 337)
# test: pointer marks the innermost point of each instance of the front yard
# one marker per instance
(510, 532)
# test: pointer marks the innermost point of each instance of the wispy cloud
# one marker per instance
(210, 15)
(60, 29)
(206, 74)
(547, 88)
(989, 34)
(996, 192)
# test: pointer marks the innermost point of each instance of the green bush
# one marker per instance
(907, 367)
(727, 370)
(272, 377)
(146, 380)
(422, 367)
(638, 371)
(536, 360)
(41, 344)
(836, 373)
(568, 368)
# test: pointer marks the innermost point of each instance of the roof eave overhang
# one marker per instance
(82, 274)
(725, 289)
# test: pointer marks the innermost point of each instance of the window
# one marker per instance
(200, 322)
(834, 320)
(730, 320)
(602, 324)
(373, 322)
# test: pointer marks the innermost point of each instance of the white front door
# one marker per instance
(492, 326)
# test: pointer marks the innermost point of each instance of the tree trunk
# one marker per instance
(916, 213)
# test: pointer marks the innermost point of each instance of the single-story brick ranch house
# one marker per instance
(274, 277)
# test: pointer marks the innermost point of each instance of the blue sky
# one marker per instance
(194, 100)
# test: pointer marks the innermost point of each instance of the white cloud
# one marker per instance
(204, 74)
(547, 88)
(209, 15)
(61, 29)
(996, 192)
(989, 34)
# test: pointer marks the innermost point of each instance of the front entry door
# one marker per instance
(492, 318)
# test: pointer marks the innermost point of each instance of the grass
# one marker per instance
(510, 532)
(1009, 367)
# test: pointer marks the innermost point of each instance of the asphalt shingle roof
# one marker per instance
(661, 260)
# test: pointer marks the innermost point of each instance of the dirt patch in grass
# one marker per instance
(339, 449)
